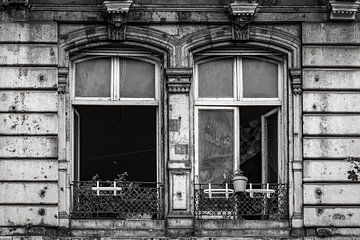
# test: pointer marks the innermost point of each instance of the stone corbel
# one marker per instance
(179, 80)
(62, 80)
(243, 13)
(343, 10)
(17, 4)
(117, 12)
(296, 80)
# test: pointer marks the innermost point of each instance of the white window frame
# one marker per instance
(239, 101)
(115, 98)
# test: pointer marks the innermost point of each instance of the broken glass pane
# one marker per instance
(216, 145)
(93, 78)
(216, 78)
(260, 79)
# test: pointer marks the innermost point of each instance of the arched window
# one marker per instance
(238, 102)
(238, 115)
(116, 120)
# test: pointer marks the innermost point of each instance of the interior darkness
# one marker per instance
(114, 140)
(252, 167)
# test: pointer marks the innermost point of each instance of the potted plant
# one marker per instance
(239, 181)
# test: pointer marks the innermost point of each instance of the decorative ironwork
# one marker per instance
(242, 205)
(96, 199)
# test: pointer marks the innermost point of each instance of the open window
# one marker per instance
(117, 166)
(238, 125)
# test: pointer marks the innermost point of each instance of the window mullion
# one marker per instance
(239, 78)
(236, 138)
(115, 79)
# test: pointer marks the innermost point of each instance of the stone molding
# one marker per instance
(296, 80)
(62, 80)
(179, 79)
(243, 13)
(343, 10)
(117, 12)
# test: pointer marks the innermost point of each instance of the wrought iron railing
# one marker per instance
(114, 199)
(262, 205)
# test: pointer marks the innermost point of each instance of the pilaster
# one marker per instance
(297, 220)
(179, 219)
(63, 181)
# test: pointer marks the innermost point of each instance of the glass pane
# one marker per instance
(137, 79)
(216, 78)
(260, 79)
(216, 148)
(93, 78)
(272, 148)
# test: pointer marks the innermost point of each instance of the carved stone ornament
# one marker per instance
(62, 80)
(242, 12)
(17, 4)
(343, 10)
(117, 11)
(179, 80)
(296, 80)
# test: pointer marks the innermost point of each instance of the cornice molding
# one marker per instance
(343, 10)
(179, 79)
(117, 7)
(243, 8)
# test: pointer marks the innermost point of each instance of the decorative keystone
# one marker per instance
(296, 80)
(243, 13)
(179, 79)
(117, 11)
(343, 10)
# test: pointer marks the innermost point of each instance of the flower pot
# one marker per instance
(239, 183)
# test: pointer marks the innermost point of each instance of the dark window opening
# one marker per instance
(114, 140)
(255, 125)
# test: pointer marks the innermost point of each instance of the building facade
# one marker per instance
(131, 118)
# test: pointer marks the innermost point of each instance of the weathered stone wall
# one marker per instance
(331, 115)
(28, 152)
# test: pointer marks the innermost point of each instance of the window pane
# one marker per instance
(137, 79)
(216, 78)
(93, 78)
(260, 79)
(216, 148)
